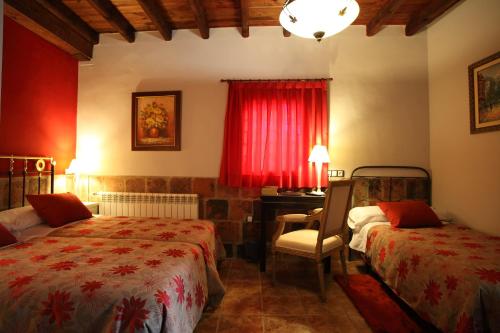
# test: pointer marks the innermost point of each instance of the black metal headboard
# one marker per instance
(25, 167)
(376, 183)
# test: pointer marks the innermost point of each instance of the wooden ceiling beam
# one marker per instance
(245, 28)
(41, 21)
(155, 12)
(385, 13)
(201, 18)
(115, 18)
(286, 33)
(428, 14)
(65, 14)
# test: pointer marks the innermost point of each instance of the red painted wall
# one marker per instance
(39, 97)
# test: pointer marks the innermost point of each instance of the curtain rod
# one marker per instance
(254, 80)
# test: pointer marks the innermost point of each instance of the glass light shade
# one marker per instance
(318, 18)
(319, 154)
(74, 168)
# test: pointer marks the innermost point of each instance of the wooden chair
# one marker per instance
(317, 244)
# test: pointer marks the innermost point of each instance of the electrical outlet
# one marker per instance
(336, 173)
(249, 218)
(332, 173)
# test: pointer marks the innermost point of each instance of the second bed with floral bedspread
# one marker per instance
(62, 284)
(449, 275)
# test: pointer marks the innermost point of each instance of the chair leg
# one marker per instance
(321, 275)
(274, 268)
(344, 265)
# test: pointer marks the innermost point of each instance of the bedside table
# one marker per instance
(92, 206)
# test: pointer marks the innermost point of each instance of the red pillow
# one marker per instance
(409, 214)
(58, 209)
(6, 238)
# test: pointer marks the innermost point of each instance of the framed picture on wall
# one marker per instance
(484, 94)
(156, 120)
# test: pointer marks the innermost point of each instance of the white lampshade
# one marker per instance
(319, 154)
(318, 18)
(74, 167)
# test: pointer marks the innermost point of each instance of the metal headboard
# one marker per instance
(389, 173)
(31, 165)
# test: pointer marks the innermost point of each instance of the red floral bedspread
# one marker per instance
(449, 275)
(199, 232)
(101, 285)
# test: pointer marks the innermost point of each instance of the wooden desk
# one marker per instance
(270, 204)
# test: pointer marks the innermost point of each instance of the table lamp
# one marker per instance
(319, 155)
(74, 169)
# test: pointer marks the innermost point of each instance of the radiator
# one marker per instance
(182, 206)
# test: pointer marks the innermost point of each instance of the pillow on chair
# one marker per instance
(410, 214)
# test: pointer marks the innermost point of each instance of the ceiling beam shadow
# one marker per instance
(37, 18)
(155, 12)
(427, 15)
(384, 14)
(201, 18)
(115, 18)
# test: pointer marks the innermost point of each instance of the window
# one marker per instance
(270, 129)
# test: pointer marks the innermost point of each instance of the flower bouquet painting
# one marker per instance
(156, 120)
(484, 94)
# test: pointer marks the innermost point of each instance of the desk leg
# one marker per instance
(262, 243)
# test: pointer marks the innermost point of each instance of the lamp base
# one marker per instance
(316, 192)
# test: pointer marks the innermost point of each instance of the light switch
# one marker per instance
(336, 173)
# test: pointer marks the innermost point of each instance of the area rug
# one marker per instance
(381, 312)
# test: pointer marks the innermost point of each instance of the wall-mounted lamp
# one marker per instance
(319, 155)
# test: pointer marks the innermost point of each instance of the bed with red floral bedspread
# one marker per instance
(450, 275)
(197, 232)
(58, 284)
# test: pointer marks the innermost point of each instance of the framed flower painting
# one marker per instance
(156, 120)
(484, 94)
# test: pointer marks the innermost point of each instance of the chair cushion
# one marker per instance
(316, 210)
(292, 218)
(305, 240)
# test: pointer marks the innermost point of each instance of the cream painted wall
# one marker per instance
(379, 102)
(465, 167)
(379, 105)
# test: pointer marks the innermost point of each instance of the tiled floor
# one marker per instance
(252, 304)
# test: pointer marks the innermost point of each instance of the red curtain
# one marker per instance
(270, 129)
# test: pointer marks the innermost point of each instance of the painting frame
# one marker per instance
(477, 92)
(152, 125)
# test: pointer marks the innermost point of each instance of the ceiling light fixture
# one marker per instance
(318, 18)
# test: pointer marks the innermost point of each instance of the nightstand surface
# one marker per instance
(92, 206)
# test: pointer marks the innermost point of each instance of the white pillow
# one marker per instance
(442, 216)
(360, 216)
(18, 219)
